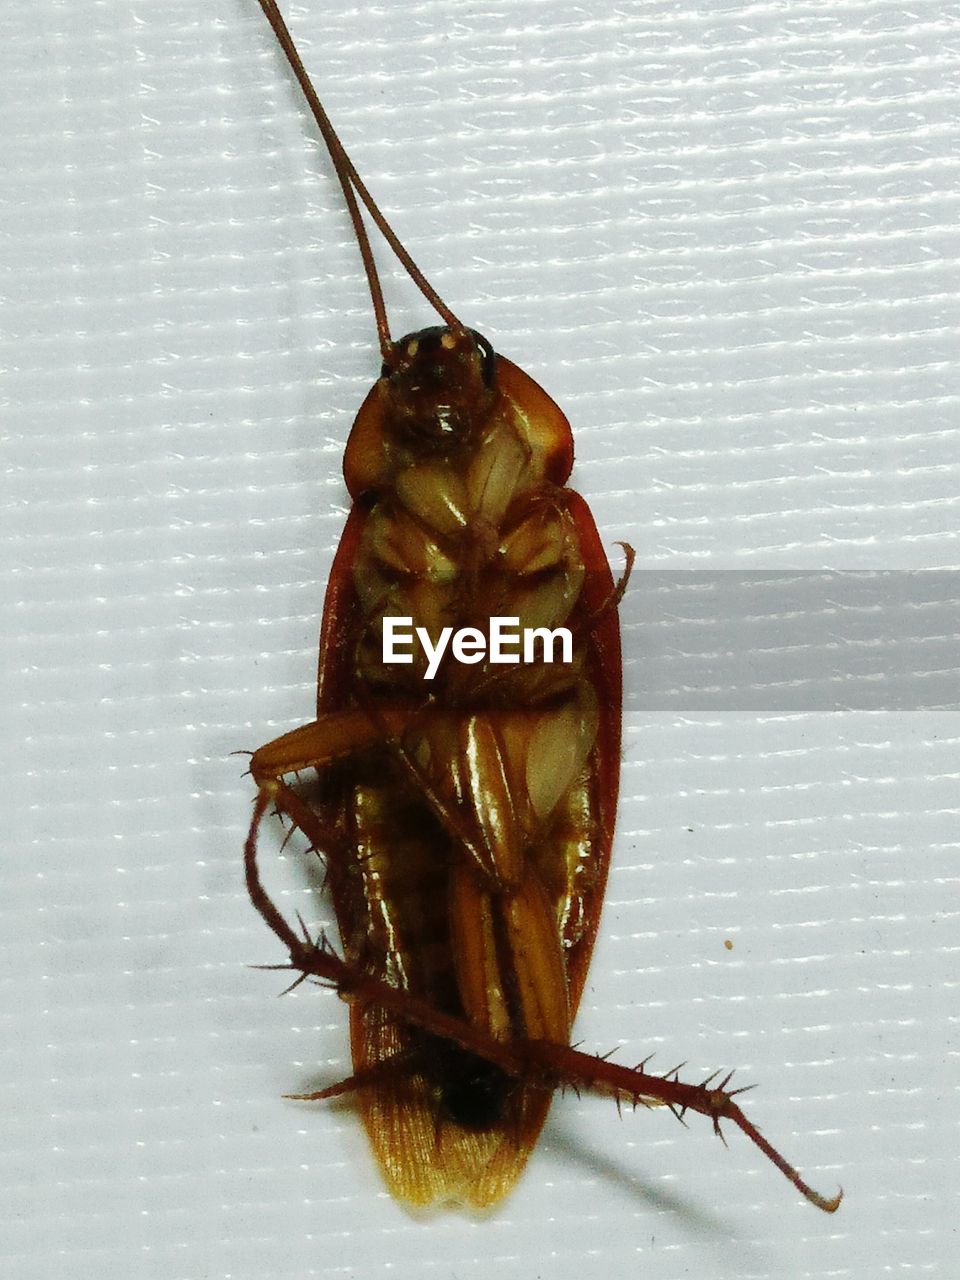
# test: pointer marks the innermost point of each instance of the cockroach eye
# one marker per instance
(488, 357)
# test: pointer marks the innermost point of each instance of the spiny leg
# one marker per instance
(398, 1067)
(311, 746)
(541, 1063)
(450, 818)
(266, 798)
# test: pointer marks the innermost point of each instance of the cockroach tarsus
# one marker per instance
(465, 824)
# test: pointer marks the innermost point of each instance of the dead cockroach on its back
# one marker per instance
(466, 791)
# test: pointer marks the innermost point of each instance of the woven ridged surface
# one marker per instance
(725, 239)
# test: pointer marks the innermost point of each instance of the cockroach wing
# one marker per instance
(474, 846)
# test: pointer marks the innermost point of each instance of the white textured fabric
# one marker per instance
(725, 238)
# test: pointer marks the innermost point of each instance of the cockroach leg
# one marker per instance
(311, 746)
(266, 796)
(449, 818)
(290, 806)
(634, 1085)
(391, 1069)
(620, 587)
(538, 1063)
(612, 601)
(333, 736)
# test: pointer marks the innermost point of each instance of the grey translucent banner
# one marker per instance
(793, 641)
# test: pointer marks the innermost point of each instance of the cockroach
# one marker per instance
(463, 806)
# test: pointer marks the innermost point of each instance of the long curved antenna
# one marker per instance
(352, 186)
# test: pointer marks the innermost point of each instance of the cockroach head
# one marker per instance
(439, 386)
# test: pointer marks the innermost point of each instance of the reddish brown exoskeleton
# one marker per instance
(464, 808)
